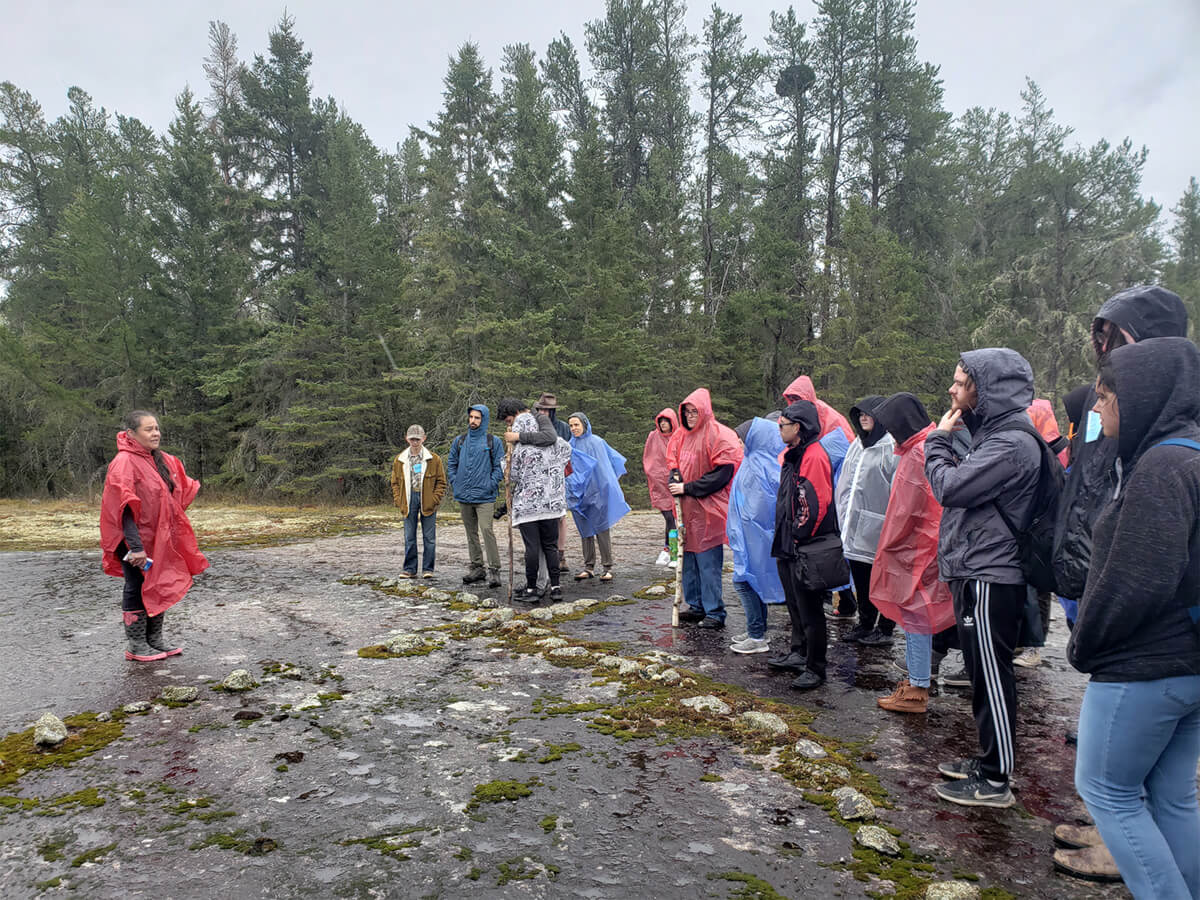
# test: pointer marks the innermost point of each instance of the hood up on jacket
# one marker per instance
(1145, 311)
(695, 452)
(804, 413)
(1158, 393)
(671, 416)
(751, 523)
(903, 416)
(1004, 382)
(1073, 405)
(867, 405)
(802, 389)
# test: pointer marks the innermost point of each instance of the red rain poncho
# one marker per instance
(694, 453)
(1042, 415)
(654, 462)
(904, 579)
(167, 535)
(802, 389)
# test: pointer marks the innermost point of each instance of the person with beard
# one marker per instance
(1129, 316)
(703, 457)
(862, 500)
(994, 484)
(1137, 634)
(904, 580)
(806, 545)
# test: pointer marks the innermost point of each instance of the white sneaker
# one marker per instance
(663, 558)
(738, 638)
(1029, 658)
(673, 564)
(751, 645)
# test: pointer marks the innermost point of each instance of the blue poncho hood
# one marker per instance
(750, 525)
(600, 501)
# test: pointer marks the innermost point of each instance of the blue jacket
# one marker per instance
(750, 525)
(475, 466)
(601, 503)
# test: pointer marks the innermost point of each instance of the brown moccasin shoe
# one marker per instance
(907, 699)
(1074, 837)
(1088, 863)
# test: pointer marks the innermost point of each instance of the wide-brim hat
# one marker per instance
(546, 401)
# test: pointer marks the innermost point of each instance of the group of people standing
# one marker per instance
(930, 523)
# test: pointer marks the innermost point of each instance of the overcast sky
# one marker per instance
(1109, 68)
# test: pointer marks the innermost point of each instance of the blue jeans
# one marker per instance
(1139, 742)
(756, 610)
(428, 537)
(702, 581)
(918, 656)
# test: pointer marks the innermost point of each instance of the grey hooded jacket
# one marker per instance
(1000, 470)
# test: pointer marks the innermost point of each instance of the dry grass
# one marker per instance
(74, 524)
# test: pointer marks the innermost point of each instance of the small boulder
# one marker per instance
(670, 676)
(247, 715)
(388, 583)
(707, 703)
(137, 706)
(538, 632)
(515, 625)
(551, 643)
(238, 680)
(49, 731)
(542, 614)
(952, 890)
(468, 598)
(104, 717)
(853, 804)
(655, 590)
(404, 643)
(312, 701)
(438, 596)
(629, 667)
(610, 662)
(586, 603)
(875, 838)
(810, 749)
(179, 694)
(570, 652)
(488, 603)
(762, 721)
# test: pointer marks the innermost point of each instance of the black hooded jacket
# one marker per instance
(867, 405)
(1145, 311)
(1000, 471)
(903, 415)
(804, 505)
(1133, 623)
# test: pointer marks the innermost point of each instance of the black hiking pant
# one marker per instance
(540, 538)
(868, 615)
(806, 609)
(989, 619)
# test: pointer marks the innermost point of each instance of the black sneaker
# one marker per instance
(788, 661)
(876, 638)
(857, 633)
(474, 577)
(555, 594)
(960, 768)
(840, 615)
(528, 595)
(710, 622)
(957, 679)
(691, 614)
(494, 580)
(976, 791)
(806, 682)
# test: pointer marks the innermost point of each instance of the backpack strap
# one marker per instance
(1178, 442)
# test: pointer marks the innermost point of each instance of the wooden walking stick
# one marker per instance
(677, 604)
(508, 503)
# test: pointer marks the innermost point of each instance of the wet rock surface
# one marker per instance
(485, 765)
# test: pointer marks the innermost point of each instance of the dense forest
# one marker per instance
(618, 222)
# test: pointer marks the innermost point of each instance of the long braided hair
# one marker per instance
(131, 422)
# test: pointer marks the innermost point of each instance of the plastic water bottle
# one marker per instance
(673, 543)
(145, 566)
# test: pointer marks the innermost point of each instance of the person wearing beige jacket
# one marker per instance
(418, 486)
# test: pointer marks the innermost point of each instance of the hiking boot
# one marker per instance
(474, 576)
(806, 682)
(1029, 658)
(960, 768)
(855, 634)
(958, 679)
(876, 638)
(135, 637)
(710, 622)
(493, 578)
(154, 636)
(907, 699)
(1076, 837)
(794, 661)
(977, 791)
(1088, 863)
(691, 615)
(555, 594)
(751, 645)
(527, 595)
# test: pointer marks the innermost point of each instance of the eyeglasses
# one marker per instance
(783, 424)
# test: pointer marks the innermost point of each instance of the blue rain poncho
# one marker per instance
(750, 525)
(600, 501)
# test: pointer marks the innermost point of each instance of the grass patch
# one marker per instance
(51, 849)
(751, 887)
(85, 736)
(709, 777)
(237, 841)
(500, 792)
(93, 855)
(555, 752)
(522, 868)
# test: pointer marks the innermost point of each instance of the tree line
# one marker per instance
(709, 209)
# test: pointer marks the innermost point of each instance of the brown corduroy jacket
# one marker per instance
(433, 487)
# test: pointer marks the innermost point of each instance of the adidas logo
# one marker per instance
(968, 622)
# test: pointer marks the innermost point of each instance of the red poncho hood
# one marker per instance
(802, 389)
(133, 480)
(654, 461)
(695, 452)
(1042, 415)
(904, 578)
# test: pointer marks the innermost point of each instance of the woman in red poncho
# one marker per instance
(705, 455)
(145, 534)
(654, 464)
(802, 389)
(904, 578)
